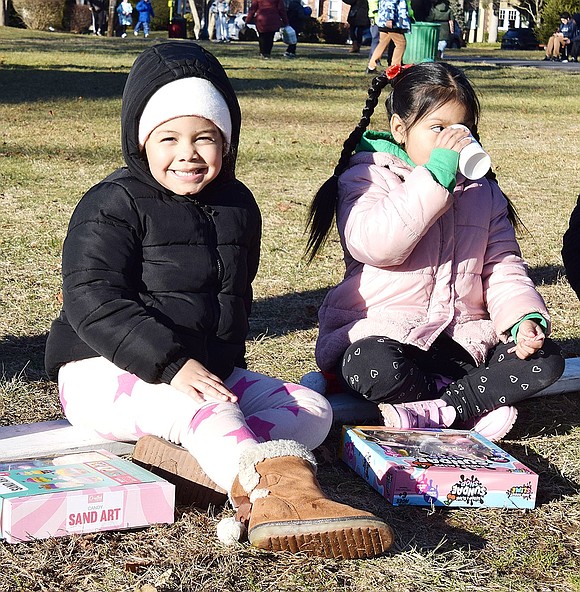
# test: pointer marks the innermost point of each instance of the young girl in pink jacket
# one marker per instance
(436, 319)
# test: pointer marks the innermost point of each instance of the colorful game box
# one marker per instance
(79, 493)
(439, 467)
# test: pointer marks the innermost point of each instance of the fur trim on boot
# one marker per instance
(249, 477)
(277, 495)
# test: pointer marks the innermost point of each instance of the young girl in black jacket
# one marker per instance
(158, 266)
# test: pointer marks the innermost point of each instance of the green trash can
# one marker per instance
(422, 43)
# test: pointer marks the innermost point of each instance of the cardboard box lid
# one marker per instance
(87, 470)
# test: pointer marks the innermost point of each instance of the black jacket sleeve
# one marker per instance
(253, 264)
(571, 249)
(101, 280)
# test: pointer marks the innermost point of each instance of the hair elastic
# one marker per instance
(394, 70)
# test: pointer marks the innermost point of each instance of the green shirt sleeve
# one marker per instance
(443, 166)
(534, 316)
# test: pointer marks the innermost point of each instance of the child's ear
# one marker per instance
(398, 129)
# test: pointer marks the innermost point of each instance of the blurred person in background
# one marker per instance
(358, 21)
(99, 14)
(146, 13)
(269, 16)
(441, 13)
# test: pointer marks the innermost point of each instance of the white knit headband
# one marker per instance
(182, 98)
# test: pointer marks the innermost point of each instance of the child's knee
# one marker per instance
(376, 368)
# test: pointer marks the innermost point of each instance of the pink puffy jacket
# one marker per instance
(420, 261)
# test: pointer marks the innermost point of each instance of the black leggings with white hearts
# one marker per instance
(383, 370)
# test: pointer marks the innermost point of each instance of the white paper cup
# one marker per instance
(474, 161)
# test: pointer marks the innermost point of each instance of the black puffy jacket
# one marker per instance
(152, 279)
(571, 249)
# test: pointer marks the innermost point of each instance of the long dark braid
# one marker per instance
(323, 207)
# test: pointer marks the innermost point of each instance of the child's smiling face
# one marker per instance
(185, 154)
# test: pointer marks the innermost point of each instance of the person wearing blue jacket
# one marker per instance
(566, 31)
(146, 13)
(394, 20)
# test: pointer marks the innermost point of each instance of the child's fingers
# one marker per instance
(527, 348)
(524, 350)
(533, 343)
(218, 390)
(453, 138)
(194, 394)
(207, 393)
(202, 389)
(214, 390)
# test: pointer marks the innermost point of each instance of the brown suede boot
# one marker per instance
(277, 494)
(354, 48)
(176, 465)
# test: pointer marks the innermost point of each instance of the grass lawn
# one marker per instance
(60, 98)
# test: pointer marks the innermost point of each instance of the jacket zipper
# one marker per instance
(210, 214)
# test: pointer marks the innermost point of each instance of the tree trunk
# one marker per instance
(2, 13)
(111, 22)
(196, 21)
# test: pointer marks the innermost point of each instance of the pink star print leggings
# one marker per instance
(96, 394)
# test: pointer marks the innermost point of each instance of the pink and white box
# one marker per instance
(438, 467)
(79, 493)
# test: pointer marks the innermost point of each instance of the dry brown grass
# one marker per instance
(59, 104)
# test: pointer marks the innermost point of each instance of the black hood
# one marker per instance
(156, 67)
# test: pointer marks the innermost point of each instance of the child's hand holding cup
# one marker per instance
(474, 161)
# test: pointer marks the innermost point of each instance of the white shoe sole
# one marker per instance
(338, 538)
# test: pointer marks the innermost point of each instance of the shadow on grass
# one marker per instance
(298, 311)
(273, 316)
(285, 314)
(547, 274)
(552, 415)
(23, 356)
(24, 84)
(428, 530)
(553, 485)
(72, 44)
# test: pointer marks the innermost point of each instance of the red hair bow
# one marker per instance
(394, 70)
